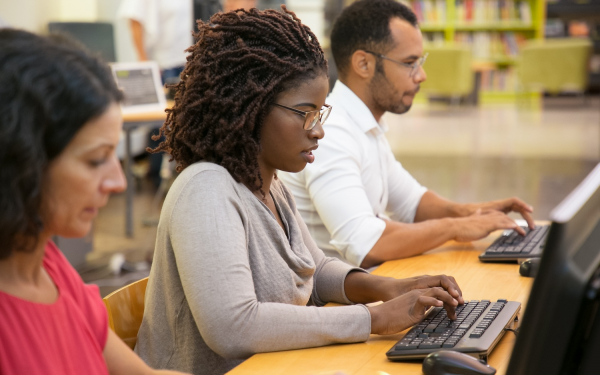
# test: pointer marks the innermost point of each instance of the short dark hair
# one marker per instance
(241, 62)
(365, 24)
(49, 88)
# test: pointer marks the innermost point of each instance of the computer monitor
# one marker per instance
(98, 37)
(560, 330)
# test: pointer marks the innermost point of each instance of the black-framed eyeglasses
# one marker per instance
(414, 67)
(311, 118)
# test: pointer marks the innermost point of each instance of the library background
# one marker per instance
(511, 107)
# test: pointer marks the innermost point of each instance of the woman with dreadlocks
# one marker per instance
(235, 270)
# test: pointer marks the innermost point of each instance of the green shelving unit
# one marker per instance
(446, 25)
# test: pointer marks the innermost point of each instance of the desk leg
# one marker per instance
(130, 188)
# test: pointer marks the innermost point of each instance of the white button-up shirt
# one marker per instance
(354, 182)
(168, 26)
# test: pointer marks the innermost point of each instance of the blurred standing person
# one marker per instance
(161, 31)
(229, 5)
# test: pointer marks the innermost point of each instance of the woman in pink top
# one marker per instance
(59, 126)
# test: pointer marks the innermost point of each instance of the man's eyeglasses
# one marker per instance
(311, 118)
(414, 67)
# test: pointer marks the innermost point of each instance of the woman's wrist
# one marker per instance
(375, 319)
(391, 288)
(362, 287)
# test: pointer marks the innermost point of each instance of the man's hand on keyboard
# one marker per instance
(507, 205)
(407, 310)
(480, 224)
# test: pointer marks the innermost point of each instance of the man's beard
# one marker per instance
(385, 95)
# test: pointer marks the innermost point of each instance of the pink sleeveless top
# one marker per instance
(66, 337)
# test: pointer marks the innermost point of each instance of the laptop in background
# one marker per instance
(141, 85)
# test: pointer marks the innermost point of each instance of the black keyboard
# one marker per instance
(478, 327)
(511, 246)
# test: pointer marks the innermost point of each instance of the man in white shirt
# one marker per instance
(356, 199)
(161, 31)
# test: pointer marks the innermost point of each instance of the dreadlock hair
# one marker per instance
(241, 61)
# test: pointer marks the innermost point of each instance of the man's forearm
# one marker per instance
(400, 240)
(433, 206)
(137, 32)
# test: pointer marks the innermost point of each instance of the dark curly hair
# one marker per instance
(240, 63)
(365, 24)
(49, 88)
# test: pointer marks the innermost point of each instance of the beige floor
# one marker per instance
(564, 129)
(465, 154)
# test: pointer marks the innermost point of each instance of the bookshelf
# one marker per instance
(561, 14)
(495, 29)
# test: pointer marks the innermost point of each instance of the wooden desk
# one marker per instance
(477, 281)
(130, 122)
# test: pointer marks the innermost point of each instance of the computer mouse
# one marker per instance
(529, 267)
(449, 362)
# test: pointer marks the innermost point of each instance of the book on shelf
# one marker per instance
(498, 80)
(430, 11)
(434, 38)
(492, 11)
(492, 45)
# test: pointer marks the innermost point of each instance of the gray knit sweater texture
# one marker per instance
(228, 282)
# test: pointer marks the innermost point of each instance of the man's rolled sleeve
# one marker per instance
(405, 193)
(361, 241)
(336, 189)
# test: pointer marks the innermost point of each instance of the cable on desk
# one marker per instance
(515, 331)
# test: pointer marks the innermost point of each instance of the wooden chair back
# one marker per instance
(125, 310)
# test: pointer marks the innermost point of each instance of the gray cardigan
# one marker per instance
(228, 282)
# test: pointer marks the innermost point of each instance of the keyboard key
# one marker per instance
(430, 328)
(503, 301)
(512, 237)
(527, 249)
(521, 247)
(430, 346)
(407, 346)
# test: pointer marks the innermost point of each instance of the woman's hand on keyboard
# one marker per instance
(407, 310)
(398, 287)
